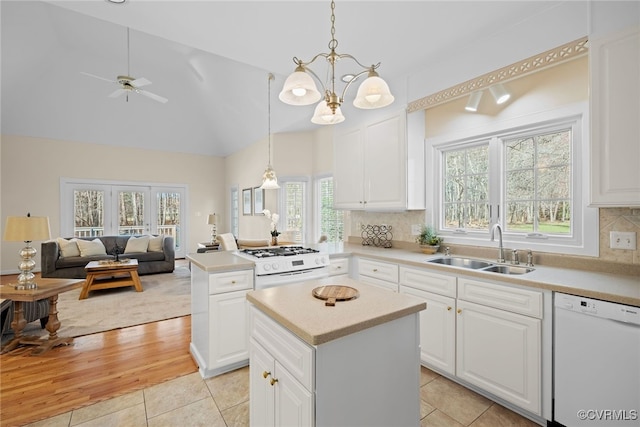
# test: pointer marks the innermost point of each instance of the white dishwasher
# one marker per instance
(596, 362)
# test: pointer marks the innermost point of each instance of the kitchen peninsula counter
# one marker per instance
(295, 307)
(212, 262)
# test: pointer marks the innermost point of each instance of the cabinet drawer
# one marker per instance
(230, 281)
(515, 300)
(338, 266)
(292, 353)
(431, 282)
(378, 270)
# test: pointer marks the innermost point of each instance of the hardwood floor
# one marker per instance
(94, 368)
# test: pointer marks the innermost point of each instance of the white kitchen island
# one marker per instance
(353, 364)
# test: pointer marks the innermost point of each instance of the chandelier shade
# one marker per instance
(324, 116)
(300, 87)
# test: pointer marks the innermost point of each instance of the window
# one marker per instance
(531, 178)
(293, 208)
(234, 211)
(330, 221)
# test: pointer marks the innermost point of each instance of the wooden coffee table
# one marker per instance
(96, 269)
(47, 288)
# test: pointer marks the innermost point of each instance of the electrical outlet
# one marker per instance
(415, 229)
(622, 240)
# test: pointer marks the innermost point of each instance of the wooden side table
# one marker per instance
(97, 269)
(47, 288)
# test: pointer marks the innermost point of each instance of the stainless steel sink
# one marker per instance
(461, 262)
(508, 269)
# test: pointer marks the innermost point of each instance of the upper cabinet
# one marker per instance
(615, 119)
(380, 166)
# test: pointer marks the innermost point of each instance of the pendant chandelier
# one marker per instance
(300, 89)
(269, 178)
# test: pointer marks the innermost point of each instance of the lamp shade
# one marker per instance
(26, 228)
(269, 179)
(212, 219)
(324, 116)
(499, 93)
(373, 93)
(299, 89)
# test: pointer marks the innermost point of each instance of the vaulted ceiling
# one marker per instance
(211, 60)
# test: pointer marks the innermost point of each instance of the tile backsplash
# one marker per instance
(611, 219)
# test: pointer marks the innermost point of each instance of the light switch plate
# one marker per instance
(622, 240)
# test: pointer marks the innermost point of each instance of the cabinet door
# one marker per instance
(499, 352)
(437, 330)
(261, 394)
(615, 119)
(347, 170)
(228, 326)
(385, 157)
(293, 402)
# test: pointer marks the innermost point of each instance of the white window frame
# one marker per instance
(316, 205)
(585, 237)
(234, 211)
(308, 197)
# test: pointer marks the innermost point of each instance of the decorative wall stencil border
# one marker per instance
(546, 59)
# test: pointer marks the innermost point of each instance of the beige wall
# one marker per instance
(32, 168)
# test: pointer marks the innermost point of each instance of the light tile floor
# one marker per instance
(223, 401)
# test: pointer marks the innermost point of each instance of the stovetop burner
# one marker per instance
(279, 251)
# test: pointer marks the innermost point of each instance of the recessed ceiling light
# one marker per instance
(117, 1)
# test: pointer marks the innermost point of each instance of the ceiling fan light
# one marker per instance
(323, 115)
(299, 89)
(373, 93)
(500, 94)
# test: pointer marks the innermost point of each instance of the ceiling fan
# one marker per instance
(129, 84)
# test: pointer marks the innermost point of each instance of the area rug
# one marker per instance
(165, 296)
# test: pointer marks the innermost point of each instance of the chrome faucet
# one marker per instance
(495, 227)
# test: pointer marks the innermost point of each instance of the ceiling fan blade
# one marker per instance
(117, 93)
(98, 77)
(140, 82)
(153, 96)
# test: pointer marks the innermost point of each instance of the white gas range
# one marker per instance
(282, 265)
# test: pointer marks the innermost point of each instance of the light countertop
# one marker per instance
(623, 289)
(295, 307)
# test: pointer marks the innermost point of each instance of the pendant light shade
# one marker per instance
(324, 116)
(269, 178)
(373, 93)
(299, 89)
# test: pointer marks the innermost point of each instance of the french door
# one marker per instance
(107, 208)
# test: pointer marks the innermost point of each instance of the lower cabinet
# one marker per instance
(339, 267)
(378, 273)
(485, 334)
(228, 323)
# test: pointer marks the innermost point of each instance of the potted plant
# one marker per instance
(429, 240)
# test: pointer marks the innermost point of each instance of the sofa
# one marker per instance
(67, 258)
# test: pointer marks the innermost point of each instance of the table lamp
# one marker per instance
(27, 229)
(212, 222)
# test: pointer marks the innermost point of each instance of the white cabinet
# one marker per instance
(339, 267)
(377, 167)
(367, 378)
(438, 321)
(615, 119)
(219, 320)
(498, 348)
(378, 273)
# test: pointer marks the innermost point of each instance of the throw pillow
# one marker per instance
(137, 244)
(68, 247)
(91, 247)
(155, 244)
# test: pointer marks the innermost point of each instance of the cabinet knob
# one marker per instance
(265, 374)
(448, 308)
(375, 270)
(233, 282)
(459, 310)
(273, 381)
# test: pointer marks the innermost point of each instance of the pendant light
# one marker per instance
(269, 178)
(300, 89)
